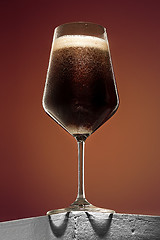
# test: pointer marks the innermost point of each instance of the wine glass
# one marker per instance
(80, 92)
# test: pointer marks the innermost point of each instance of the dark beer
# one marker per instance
(80, 92)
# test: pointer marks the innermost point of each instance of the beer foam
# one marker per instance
(79, 41)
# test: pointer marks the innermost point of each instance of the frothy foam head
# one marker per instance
(79, 41)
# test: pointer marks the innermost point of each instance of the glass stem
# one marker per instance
(81, 192)
(80, 200)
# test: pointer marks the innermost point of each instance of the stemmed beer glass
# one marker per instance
(80, 92)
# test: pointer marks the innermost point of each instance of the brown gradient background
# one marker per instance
(38, 159)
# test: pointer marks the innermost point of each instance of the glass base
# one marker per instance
(86, 207)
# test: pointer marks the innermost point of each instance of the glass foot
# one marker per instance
(84, 207)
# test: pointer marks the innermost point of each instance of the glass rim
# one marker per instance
(80, 22)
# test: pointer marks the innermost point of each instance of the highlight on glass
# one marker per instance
(80, 92)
